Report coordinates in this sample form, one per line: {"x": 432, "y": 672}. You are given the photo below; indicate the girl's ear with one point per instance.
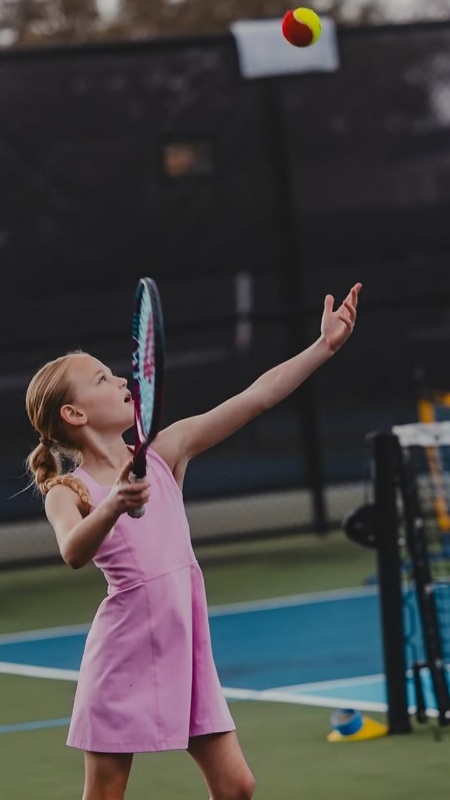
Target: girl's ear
{"x": 72, "y": 415}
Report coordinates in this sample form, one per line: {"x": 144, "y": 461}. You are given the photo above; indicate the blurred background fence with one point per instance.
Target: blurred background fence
{"x": 247, "y": 201}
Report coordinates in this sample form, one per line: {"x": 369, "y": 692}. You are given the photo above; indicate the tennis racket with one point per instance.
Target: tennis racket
{"x": 148, "y": 375}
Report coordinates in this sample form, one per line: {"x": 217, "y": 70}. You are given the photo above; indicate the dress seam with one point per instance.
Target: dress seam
{"x": 155, "y": 577}
{"x": 158, "y": 716}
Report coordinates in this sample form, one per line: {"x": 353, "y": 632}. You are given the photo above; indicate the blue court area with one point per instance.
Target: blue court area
{"x": 318, "y": 649}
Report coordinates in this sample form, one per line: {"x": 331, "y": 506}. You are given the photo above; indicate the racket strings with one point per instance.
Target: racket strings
{"x": 144, "y": 365}
{"x": 149, "y": 354}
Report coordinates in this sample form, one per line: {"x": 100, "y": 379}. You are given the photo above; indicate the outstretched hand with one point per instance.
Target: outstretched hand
{"x": 337, "y": 325}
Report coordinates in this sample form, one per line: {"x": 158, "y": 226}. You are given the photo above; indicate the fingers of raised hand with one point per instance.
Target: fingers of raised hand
{"x": 352, "y": 296}
{"x": 347, "y": 314}
{"x": 347, "y": 322}
{"x": 354, "y": 292}
{"x": 329, "y": 302}
{"x": 351, "y": 309}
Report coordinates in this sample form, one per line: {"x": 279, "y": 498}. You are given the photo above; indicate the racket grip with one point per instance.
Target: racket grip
{"x": 139, "y": 512}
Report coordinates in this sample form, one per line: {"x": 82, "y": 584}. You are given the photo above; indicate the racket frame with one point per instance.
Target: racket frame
{"x": 142, "y": 440}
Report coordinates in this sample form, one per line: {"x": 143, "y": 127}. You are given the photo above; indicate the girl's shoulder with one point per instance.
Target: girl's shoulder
{"x": 74, "y": 487}
{"x": 66, "y": 494}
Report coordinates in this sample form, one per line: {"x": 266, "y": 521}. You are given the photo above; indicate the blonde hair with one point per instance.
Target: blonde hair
{"x": 48, "y": 391}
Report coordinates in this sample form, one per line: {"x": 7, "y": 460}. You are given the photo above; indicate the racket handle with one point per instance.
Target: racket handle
{"x": 139, "y": 512}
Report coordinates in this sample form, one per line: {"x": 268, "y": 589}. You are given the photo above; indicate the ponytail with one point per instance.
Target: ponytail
{"x": 48, "y": 390}
{"x": 45, "y": 465}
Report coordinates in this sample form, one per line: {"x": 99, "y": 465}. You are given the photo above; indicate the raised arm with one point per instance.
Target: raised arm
{"x": 189, "y": 437}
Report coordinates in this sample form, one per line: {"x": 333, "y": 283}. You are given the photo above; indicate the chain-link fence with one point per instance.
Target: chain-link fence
{"x": 247, "y": 202}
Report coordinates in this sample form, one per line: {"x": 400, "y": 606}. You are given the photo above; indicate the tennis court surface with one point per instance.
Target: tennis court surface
{"x": 317, "y": 649}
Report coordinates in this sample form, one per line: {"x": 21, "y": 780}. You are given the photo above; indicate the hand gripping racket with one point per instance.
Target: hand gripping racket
{"x": 148, "y": 375}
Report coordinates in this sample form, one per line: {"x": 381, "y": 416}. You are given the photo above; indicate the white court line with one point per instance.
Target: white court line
{"x": 266, "y": 695}
{"x": 311, "y": 598}
{"x": 30, "y": 671}
{"x": 275, "y": 696}
{"x": 338, "y": 683}
{"x": 245, "y": 607}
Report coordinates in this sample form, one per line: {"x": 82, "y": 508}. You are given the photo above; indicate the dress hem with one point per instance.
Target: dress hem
{"x": 175, "y": 744}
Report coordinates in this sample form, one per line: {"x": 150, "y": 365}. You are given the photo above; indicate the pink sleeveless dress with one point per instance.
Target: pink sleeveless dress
{"x": 148, "y": 680}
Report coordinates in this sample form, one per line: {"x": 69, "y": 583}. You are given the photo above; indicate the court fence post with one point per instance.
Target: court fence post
{"x": 295, "y": 298}
{"x": 385, "y": 466}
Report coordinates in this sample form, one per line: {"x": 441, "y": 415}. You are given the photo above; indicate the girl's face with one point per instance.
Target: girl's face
{"x": 100, "y": 399}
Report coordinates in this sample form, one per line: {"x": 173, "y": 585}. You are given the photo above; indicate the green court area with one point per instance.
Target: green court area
{"x": 285, "y": 744}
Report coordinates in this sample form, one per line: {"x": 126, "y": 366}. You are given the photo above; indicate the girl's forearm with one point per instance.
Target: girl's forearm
{"x": 85, "y": 538}
{"x": 280, "y": 381}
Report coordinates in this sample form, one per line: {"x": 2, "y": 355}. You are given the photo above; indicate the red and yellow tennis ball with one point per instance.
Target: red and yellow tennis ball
{"x": 301, "y": 27}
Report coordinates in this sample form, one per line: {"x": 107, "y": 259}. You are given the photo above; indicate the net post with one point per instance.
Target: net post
{"x": 425, "y": 587}
{"x": 385, "y": 466}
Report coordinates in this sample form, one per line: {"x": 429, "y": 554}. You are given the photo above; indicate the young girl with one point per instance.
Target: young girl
{"x": 147, "y": 680}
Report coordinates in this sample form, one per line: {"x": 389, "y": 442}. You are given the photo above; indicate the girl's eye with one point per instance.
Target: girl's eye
{"x": 102, "y": 378}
